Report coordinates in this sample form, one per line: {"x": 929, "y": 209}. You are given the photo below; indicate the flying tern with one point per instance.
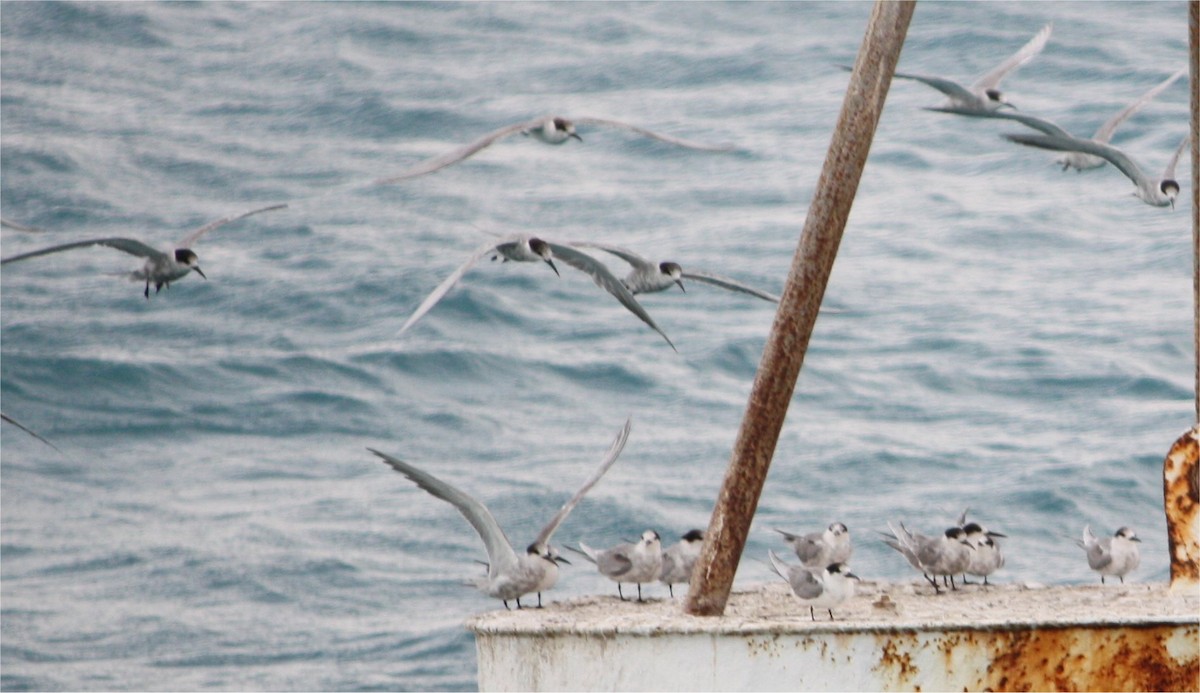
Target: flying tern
{"x": 161, "y": 268}
{"x": 1157, "y": 192}
{"x": 679, "y": 559}
{"x": 632, "y": 562}
{"x": 510, "y": 575}
{"x": 984, "y": 93}
{"x": 825, "y": 588}
{"x": 647, "y": 276}
{"x": 819, "y": 549}
{"x": 549, "y": 129}
{"x": 1077, "y": 160}
{"x": 1116, "y": 555}
{"x": 523, "y": 248}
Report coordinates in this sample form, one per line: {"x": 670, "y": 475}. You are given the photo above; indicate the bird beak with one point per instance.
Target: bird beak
{"x": 852, "y": 575}
{"x": 560, "y": 559}
{"x": 1138, "y": 540}
{"x": 200, "y": 272}
{"x": 576, "y": 136}
{"x": 681, "y": 286}
{"x": 997, "y": 534}
{"x": 551, "y": 263}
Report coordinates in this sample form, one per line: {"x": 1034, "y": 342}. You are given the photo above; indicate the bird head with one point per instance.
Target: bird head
{"x": 672, "y": 270}
{"x": 1127, "y": 533}
{"x": 188, "y": 258}
{"x": 542, "y": 249}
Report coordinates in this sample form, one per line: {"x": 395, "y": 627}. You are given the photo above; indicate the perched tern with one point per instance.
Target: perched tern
{"x": 947, "y": 554}
{"x": 819, "y": 549}
{"x": 1115, "y": 555}
{"x": 647, "y": 276}
{"x": 161, "y": 268}
{"x": 548, "y": 129}
{"x": 1079, "y": 161}
{"x": 679, "y": 559}
{"x": 1160, "y": 192}
{"x": 824, "y": 588}
{"x": 986, "y": 558}
{"x": 510, "y": 575}
{"x": 524, "y": 248}
{"x": 637, "y": 562}
{"x": 984, "y": 94}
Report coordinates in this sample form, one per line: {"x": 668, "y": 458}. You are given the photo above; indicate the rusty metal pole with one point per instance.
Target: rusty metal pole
{"x": 1194, "y": 68}
{"x": 787, "y": 343}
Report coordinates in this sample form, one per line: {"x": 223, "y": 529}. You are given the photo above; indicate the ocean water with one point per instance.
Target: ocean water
{"x": 1010, "y": 338}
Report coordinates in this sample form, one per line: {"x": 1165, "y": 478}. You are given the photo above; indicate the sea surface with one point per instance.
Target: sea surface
{"x": 1008, "y": 337}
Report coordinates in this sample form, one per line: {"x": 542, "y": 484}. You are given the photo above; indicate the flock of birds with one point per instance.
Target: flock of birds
{"x": 822, "y": 579}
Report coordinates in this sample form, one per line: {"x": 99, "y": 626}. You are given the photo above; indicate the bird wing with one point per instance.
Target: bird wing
{"x": 191, "y": 238}
{"x": 614, "y": 451}
{"x": 727, "y": 283}
{"x": 1100, "y": 554}
{"x": 635, "y": 260}
{"x": 1105, "y": 132}
{"x": 1169, "y": 172}
{"x": 1039, "y": 124}
{"x": 14, "y": 422}
{"x": 991, "y": 79}
{"x": 606, "y": 280}
{"x": 689, "y": 144}
{"x": 456, "y": 155}
{"x": 437, "y": 294}
{"x": 501, "y": 555}
{"x": 615, "y": 562}
{"x": 19, "y": 227}
{"x": 128, "y": 245}
{"x": 951, "y": 89}
{"x": 1114, "y": 156}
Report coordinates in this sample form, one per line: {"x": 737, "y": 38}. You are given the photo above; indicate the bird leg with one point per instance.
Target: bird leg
{"x": 619, "y": 593}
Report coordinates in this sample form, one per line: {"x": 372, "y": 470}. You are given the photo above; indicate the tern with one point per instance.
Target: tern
{"x": 510, "y": 575}
{"x": 679, "y": 559}
{"x": 647, "y": 276}
{"x": 825, "y": 588}
{"x": 1079, "y": 161}
{"x": 984, "y": 94}
{"x": 549, "y": 129}
{"x": 161, "y": 268}
{"x": 634, "y": 562}
{"x": 819, "y": 549}
{"x": 1160, "y": 192}
{"x": 523, "y": 248}
{"x": 1115, "y": 555}
{"x": 947, "y": 554}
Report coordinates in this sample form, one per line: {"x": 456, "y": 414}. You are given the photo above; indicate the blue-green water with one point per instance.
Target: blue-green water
{"x": 1011, "y": 338}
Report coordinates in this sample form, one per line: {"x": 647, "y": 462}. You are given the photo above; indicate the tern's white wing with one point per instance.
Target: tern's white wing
{"x": 1114, "y": 156}
{"x": 1105, "y": 132}
{"x": 1169, "y": 172}
{"x": 953, "y": 90}
{"x": 437, "y": 294}
{"x": 606, "y": 280}
{"x": 19, "y": 227}
{"x": 614, "y": 451}
{"x": 188, "y": 240}
{"x": 457, "y": 155}
{"x": 501, "y": 556}
{"x": 127, "y": 245}
{"x": 653, "y": 135}
{"x": 727, "y": 283}
{"x": 635, "y": 260}
{"x": 1035, "y": 45}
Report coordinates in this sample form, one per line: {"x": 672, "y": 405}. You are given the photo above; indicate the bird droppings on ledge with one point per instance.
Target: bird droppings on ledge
{"x": 876, "y": 606}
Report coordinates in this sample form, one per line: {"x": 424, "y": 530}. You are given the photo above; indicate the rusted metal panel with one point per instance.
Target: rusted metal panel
{"x": 1181, "y": 500}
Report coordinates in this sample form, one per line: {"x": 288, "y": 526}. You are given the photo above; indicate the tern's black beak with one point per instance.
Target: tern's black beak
{"x": 1138, "y": 540}
{"x": 560, "y": 559}
{"x": 551, "y": 263}
{"x": 200, "y": 272}
{"x": 997, "y": 534}
{"x": 852, "y": 576}
{"x": 576, "y": 136}
{"x": 680, "y": 283}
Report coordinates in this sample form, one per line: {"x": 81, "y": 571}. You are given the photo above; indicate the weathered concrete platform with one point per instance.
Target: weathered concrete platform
{"x": 889, "y": 637}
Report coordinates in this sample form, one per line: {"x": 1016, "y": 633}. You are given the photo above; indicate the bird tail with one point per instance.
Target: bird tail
{"x": 585, "y": 551}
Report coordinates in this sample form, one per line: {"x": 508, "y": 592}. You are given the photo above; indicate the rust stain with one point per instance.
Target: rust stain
{"x": 1109, "y": 659}
{"x": 1181, "y": 501}
{"x": 895, "y": 661}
